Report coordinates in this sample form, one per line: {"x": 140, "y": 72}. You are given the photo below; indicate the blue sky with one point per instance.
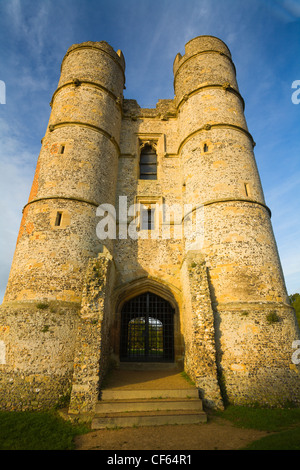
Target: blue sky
{"x": 264, "y": 39}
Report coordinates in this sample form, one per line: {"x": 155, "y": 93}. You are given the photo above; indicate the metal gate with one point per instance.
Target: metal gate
{"x": 147, "y": 329}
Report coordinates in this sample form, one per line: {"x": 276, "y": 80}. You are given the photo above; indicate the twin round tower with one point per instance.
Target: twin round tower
{"x": 103, "y": 272}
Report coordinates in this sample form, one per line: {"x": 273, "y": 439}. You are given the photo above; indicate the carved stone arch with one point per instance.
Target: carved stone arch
{"x": 144, "y": 284}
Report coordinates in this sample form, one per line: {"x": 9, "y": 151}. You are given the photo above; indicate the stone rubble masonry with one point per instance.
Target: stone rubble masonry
{"x": 60, "y": 318}
{"x": 39, "y": 341}
{"x": 92, "y": 335}
{"x": 199, "y": 329}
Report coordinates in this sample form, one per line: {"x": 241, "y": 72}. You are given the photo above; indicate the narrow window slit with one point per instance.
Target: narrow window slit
{"x": 147, "y": 219}
{"x": 247, "y": 189}
{"x": 150, "y": 219}
{"x": 58, "y": 219}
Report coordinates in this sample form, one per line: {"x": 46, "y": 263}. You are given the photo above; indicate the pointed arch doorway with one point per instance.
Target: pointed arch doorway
{"x": 147, "y": 329}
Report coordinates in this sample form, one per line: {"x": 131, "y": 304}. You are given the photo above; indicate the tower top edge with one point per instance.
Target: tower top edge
{"x": 201, "y": 44}
{"x": 101, "y": 46}
{"x": 204, "y": 38}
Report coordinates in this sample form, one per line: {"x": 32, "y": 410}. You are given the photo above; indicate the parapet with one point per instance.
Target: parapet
{"x": 94, "y": 62}
{"x": 103, "y": 46}
{"x": 165, "y": 108}
{"x": 198, "y": 45}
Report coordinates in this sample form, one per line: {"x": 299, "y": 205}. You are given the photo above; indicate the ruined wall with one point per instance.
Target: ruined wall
{"x": 36, "y": 364}
{"x": 255, "y": 347}
{"x": 198, "y": 325}
{"x": 93, "y": 342}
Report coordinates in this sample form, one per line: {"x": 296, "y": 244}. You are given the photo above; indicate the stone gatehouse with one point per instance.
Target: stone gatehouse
{"x": 146, "y": 237}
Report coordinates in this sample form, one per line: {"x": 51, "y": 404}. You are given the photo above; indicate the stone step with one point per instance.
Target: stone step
{"x": 137, "y": 394}
{"x": 149, "y": 418}
{"x": 152, "y": 366}
{"x": 120, "y": 406}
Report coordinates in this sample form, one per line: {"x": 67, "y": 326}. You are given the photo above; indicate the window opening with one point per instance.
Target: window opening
{"x": 205, "y": 148}
{"x": 58, "y": 219}
{"x": 62, "y": 149}
{"x": 148, "y": 163}
{"x": 247, "y": 189}
{"x": 147, "y": 218}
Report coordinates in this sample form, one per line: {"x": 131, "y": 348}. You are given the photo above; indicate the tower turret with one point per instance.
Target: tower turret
{"x": 237, "y": 245}
{"x": 76, "y": 171}
{"x": 220, "y": 174}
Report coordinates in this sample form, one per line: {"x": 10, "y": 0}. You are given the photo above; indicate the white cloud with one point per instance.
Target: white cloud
{"x": 14, "y": 10}
{"x": 286, "y": 11}
{"x": 31, "y": 27}
{"x": 292, "y": 6}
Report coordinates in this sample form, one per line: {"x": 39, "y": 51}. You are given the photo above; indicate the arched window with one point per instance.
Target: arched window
{"x": 148, "y": 163}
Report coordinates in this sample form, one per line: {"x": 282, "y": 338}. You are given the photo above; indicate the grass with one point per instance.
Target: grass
{"x": 283, "y": 424}
{"x": 187, "y": 378}
{"x": 48, "y": 431}
{"x": 286, "y": 440}
{"x": 37, "y": 431}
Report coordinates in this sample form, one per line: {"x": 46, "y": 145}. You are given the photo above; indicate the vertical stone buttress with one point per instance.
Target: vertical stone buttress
{"x": 76, "y": 171}
{"x": 254, "y": 323}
